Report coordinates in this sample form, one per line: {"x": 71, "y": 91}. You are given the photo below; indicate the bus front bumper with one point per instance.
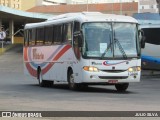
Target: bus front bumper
{"x": 110, "y": 78}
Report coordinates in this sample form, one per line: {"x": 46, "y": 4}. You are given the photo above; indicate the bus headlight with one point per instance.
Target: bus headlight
{"x": 133, "y": 69}
{"x": 138, "y": 68}
{"x": 90, "y": 68}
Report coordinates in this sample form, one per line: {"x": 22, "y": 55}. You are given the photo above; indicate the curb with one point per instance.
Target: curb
{"x": 6, "y": 48}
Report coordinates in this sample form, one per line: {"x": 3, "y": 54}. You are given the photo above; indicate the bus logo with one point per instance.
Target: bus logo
{"x": 37, "y": 56}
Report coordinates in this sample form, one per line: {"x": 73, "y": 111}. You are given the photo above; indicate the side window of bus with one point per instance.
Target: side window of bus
{"x": 58, "y": 31}
{"x": 40, "y": 36}
{"x": 33, "y": 36}
{"x": 29, "y": 37}
{"x": 69, "y": 33}
{"x": 76, "y": 26}
{"x": 152, "y": 35}
{"x": 75, "y": 39}
{"x": 26, "y": 38}
{"x": 48, "y": 35}
{"x": 65, "y": 29}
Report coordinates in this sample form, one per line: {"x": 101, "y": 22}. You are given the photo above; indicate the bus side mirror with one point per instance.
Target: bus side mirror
{"x": 78, "y": 35}
{"x": 142, "y": 38}
{"x": 80, "y": 39}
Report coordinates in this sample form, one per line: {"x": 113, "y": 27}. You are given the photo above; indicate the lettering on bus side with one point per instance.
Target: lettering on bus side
{"x": 36, "y": 55}
{"x": 94, "y": 63}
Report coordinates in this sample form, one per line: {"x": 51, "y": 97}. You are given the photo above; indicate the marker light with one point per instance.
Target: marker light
{"x": 90, "y": 68}
{"x": 138, "y": 68}
{"x": 133, "y": 69}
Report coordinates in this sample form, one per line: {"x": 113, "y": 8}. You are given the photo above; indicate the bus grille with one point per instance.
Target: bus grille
{"x": 113, "y": 77}
{"x": 113, "y": 71}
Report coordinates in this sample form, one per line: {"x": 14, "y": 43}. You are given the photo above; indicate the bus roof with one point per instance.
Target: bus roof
{"x": 84, "y": 17}
{"x": 149, "y": 26}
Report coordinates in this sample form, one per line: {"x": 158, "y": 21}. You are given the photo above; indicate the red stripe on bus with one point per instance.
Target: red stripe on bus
{"x": 25, "y": 53}
{"x": 32, "y": 71}
{"x": 67, "y": 47}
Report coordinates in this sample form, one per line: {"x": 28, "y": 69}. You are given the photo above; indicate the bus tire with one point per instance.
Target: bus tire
{"x": 122, "y": 87}
{"x": 48, "y": 83}
{"x": 40, "y": 78}
{"x": 72, "y": 85}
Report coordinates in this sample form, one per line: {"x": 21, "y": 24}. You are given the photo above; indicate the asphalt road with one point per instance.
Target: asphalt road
{"x": 21, "y": 93}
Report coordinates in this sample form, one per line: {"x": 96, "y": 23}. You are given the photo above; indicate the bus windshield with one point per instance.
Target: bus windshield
{"x": 110, "y": 40}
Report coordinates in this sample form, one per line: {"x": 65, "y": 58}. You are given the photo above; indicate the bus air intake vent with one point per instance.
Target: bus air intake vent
{"x": 113, "y": 71}
{"x": 113, "y": 77}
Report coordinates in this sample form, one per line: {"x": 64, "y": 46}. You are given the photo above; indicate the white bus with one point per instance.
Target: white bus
{"x": 81, "y": 49}
{"x": 150, "y": 54}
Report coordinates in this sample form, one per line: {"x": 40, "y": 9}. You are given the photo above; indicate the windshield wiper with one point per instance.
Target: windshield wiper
{"x": 120, "y": 48}
{"x": 115, "y": 41}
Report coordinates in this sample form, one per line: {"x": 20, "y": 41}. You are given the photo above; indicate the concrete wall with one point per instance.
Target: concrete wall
{"x": 18, "y": 40}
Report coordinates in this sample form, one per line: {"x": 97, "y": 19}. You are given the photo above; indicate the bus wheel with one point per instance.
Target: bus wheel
{"x": 40, "y": 79}
{"x": 122, "y": 87}
{"x": 72, "y": 85}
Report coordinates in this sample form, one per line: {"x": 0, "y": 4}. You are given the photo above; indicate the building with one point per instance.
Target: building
{"x": 13, "y": 22}
{"x": 54, "y": 2}
{"x": 148, "y": 6}
{"x": 18, "y": 4}
{"x": 158, "y": 4}
{"x": 143, "y": 5}
{"x": 25, "y": 5}
{"x": 99, "y": 1}
{"x": 47, "y": 2}
{"x": 111, "y": 8}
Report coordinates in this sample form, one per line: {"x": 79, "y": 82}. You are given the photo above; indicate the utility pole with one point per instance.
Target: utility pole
{"x": 112, "y": 6}
{"x": 121, "y": 7}
{"x": 87, "y": 5}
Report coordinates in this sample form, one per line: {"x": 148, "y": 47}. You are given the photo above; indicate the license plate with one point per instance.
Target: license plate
{"x": 112, "y": 81}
